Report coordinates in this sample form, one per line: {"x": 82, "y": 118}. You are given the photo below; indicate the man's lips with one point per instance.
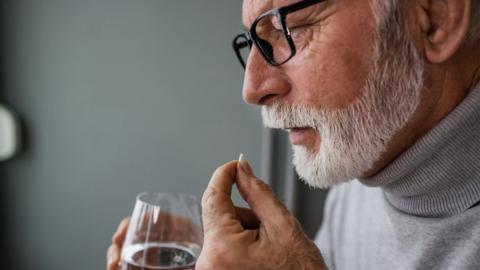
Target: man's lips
{"x": 302, "y": 135}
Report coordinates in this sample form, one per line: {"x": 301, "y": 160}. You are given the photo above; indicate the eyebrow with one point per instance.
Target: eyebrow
{"x": 299, "y": 4}
{"x": 246, "y": 29}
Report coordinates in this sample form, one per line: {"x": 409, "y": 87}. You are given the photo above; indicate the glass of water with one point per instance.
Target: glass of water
{"x": 165, "y": 232}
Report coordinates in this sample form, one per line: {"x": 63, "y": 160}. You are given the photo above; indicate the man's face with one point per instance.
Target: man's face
{"x": 333, "y": 42}
{"x": 344, "y": 95}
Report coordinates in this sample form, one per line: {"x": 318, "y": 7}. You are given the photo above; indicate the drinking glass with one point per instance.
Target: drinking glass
{"x": 165, "y": 232}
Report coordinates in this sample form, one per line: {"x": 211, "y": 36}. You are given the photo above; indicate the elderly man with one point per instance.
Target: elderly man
{"x": 381, "y": 91}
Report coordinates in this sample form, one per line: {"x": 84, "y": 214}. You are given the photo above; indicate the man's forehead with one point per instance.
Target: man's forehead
{"x": 253, "y": 8}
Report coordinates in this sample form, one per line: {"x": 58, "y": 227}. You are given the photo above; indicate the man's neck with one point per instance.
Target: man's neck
{"x": 449, "y": 83}
{"x": 439, "y": 175}
{"x": 446, "y": 85}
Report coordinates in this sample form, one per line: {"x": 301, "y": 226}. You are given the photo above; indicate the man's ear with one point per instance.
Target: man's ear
{"x": 445, "y": 24}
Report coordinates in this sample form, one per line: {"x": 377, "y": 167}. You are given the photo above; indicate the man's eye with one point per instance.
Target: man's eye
{"x": 298, "y": 30}
{"x": 300, "y": 34}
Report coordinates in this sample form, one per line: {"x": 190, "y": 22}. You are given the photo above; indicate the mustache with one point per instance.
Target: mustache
{"x": 287, "y": 116}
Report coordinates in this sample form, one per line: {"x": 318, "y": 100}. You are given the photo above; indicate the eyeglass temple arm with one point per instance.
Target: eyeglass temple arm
{"x": 242, "y": 44}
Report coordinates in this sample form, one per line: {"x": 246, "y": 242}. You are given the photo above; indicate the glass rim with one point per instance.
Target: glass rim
{"x": 141, "y": 197}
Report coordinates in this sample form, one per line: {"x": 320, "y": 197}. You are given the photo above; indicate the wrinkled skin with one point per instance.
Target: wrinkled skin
{"x": 261, "y": 233}
{"x": 265, "y": 237}
{"x": 334, "y": 42}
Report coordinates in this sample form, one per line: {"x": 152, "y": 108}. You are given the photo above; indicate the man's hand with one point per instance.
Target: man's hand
{"x": 264, "y": 237}
{"x": 113, "y": 253}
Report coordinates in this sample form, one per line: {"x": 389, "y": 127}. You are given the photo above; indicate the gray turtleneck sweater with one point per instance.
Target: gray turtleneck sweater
{"x": 421, "y": 212}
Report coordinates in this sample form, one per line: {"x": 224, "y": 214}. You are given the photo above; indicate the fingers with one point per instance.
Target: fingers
{"x": 217, "y": 205}
{"x": 223, "y": 178}
{"x": 113, "y": 257}
{"x": 113, "y": 252}
{"x": 263, "y": 201}
{"x": 248, "y": 218}
{"x": 119, "y": 235}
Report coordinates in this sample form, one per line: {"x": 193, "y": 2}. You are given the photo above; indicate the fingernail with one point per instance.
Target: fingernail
{"x": 244, "y": 165}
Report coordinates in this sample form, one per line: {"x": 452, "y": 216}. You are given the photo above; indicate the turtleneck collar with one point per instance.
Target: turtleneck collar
{"x": 439, "y": 176}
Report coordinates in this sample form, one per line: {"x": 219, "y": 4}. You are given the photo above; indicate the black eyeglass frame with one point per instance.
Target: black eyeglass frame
{"x": 251, "y": 37}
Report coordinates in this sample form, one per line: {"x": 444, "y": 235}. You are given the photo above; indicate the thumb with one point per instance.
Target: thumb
{"x": 217, "y": 206}
{"x": 261, "y": 198}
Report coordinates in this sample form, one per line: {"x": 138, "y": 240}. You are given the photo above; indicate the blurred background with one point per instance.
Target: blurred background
{"x": 117, "y": 97}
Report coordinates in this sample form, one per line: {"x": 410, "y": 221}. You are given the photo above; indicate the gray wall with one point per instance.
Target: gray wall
{"x": 117, "y": 97}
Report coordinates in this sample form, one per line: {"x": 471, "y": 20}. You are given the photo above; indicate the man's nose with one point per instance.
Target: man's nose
{"x": 263, "y": 84}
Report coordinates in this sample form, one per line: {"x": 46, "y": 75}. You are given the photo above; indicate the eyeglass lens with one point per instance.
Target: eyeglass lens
{"x": 242, "y": 48}
{"x": 272, "y": 40}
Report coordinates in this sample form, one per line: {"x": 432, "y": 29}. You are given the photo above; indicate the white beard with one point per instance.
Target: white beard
{"x": 354, "y": 138}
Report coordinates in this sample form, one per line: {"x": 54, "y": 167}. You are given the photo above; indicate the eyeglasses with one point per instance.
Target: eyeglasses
{"x": 271, "y": 35}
